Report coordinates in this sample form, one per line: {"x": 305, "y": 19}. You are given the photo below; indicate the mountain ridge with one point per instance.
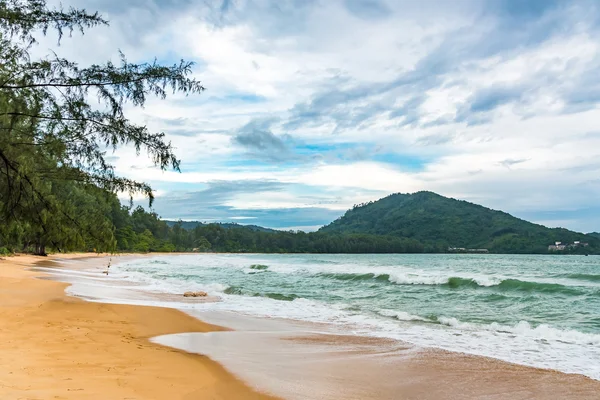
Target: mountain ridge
{"x": 440, "y": 223}
{"x": 189, "y": 225}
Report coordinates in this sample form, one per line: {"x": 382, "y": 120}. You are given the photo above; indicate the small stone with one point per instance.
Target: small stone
{"x": 195, "y": 294}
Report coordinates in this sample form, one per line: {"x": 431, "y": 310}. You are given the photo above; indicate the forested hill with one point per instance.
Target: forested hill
{"x": 439, "y": 222}
{"x": 190, "y": 225}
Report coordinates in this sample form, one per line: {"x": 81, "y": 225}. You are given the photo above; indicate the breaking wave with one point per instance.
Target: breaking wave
{"x": 582, "y": 277}
{"x": 541, "y": 332}
{"x": 455, "y": 282}
{"x": 401, "y": 315}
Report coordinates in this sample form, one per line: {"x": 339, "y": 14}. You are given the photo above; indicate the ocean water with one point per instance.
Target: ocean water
{"x": 541, "y": 311}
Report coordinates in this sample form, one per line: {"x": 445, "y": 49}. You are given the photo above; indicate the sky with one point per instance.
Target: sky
{"x": 313, "y": 106}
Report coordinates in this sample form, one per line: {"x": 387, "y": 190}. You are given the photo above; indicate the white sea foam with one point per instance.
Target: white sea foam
{"x": 397, "y": 274}
{"x": 536, "y": 345}
{"x": 441, "y": 279}
{"x": 523, "y": 328}
{"x": 400, "y": 315}
{"x": 69, "y": 272}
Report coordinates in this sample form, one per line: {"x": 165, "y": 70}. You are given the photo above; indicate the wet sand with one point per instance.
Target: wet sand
{"x": 297, "y": 362}
{"x": 57, "y": 347}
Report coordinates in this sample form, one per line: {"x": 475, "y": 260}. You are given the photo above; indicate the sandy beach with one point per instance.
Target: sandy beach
{"x": 57, "y": 347}
{"x": 54, "y": 346}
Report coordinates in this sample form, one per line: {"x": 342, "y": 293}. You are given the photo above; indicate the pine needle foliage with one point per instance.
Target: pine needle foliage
{"x": 57, "y": 121}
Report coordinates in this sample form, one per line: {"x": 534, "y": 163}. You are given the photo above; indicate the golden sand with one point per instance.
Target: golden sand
{"x": 57, "y": 347}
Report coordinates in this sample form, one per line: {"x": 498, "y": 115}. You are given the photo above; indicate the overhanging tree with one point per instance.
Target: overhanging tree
{"x": 51, "y": 135}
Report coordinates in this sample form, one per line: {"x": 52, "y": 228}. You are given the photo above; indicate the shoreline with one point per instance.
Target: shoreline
{"x": 309, "y": 365}
{"x": 57, "y": 346}
{"x": 312, "y": 365}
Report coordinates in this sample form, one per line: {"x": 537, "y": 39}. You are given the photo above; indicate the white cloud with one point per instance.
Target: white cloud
{"x": 489, "y": 96}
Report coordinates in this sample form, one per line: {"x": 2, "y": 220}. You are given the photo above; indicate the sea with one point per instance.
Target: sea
{"x": 534, "y": 310}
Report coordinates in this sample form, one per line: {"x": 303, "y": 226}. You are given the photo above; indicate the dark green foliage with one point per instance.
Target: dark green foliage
{"x": 57, "y": 120}
{"x": 226, "y": 225}
{"x": 246, "y": 239}
{"x": 141, "y": 231}
{"x": 439, "y": 222}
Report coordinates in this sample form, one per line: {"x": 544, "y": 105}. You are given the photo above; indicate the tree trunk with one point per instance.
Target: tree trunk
{"x": 40, "y": 249}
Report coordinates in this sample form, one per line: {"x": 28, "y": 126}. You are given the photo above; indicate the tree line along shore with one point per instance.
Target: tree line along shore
{"x": 59, "y": 190}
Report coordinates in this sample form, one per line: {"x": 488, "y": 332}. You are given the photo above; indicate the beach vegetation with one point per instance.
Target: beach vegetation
{"x": 58, "y": 121}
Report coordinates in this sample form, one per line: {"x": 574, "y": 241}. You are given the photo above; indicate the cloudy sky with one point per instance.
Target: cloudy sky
{"x": 312, "y": 106}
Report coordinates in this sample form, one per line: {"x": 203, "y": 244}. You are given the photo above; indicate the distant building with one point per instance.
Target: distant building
{"x": 464, "y": 250}
{"x": 457, "y": 249}
{"x": 558, "y": 246}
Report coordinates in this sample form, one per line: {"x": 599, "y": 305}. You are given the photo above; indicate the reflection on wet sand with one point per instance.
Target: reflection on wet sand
{"x": 305, "y": 361}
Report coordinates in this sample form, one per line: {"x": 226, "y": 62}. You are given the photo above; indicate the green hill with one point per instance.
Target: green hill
{"x": 189, "y": 225}
{"x": 439, "y": 222}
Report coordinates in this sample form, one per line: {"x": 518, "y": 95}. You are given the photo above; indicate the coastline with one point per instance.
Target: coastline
{"x": 53, "y": 344}
{"x": 56, "y": 346}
